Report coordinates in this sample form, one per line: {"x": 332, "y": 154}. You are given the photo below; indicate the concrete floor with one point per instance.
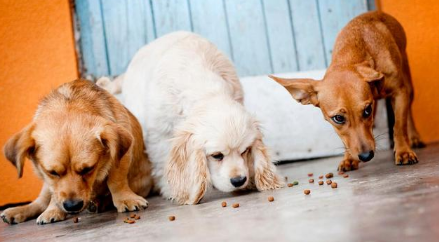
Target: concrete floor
{"x": 379, "y": 202}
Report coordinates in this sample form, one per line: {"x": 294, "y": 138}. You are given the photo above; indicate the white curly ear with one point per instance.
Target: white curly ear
{"x": 186, "y": 172}
{"x": 264, "y": 171}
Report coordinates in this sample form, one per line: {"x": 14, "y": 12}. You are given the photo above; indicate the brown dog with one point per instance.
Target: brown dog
{"x": 369, "y": 61}
{"x": 84, "y": 145}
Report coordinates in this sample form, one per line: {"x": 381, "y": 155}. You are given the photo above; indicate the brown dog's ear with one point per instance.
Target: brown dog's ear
{"x": 186, "y": 170}
{"x": 20, "y": 146}
{"x": 373, "y": 77}
{"x": 263, "y": 171}
{"x": 303, "y": 90}
{"x": 117, "y": 140}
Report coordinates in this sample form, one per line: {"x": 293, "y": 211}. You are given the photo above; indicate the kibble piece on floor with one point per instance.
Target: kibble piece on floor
{"x": 223, "y": 204}
{"x": 310, "y": 174}
{"x": 290, "y": 184}
{"x": 320, "y": 182}
{"x": 311, "y": 180}
{"x": 137, "y": 217}
{"x": 320, "y": 177}
{"x": 270, "y": 199}
{"x": 329, "y": 175}
{"x": 171, "y": 218}
{"x": 235, "y": 205}
{"x": 129, "y": 221}
{"x": 328, "y": 182}
{"x": 340, "y": 172}
{"x": 334, "y": 185}
{"x": 295, "y": 183}
{"x": 75, "y": 220}
{"x": 307, "y": 192}
{"x": 345, "y": 175}
{"x": 133, "y": 215}
{"x": 286, "y": 178}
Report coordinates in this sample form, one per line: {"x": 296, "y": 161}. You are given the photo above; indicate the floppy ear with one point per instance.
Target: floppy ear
{"x": 264, "y": 171}
{"x": 186, "y": 170}
{"x": 373, "y": 77}
{"x": 117, "y": 140}
{"x": 303, "y": 90}
{"x": 20, "y": 146}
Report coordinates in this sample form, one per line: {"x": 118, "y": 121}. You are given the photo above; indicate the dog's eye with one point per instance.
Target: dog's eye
{"x": 338, "y": 119}
{"x": 85, "y": 171}
{"x": 367, "y": 111}
{"x": 53, "y": 173}
{"x": 218, "y": 156}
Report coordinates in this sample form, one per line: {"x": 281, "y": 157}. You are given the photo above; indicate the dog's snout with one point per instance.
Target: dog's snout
{"x": 366, "y": 156}
{"x": 238, "y": 181}
{"x": 74, "y": 205}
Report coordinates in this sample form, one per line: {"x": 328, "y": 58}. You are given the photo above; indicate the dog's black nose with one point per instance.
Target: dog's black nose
{"x": 238, "y": 181}
{"x": 73, "y": 205}
{"x": 366, "y": 156}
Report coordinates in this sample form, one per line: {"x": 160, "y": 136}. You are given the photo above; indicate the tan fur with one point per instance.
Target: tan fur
{"x": 85, "y": 146}
{"x": 369, "y": 62}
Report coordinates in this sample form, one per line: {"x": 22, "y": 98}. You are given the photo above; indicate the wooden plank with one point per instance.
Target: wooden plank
{"x": 248, "y": 37}
{"x": 170, "y": 16}
{"x": 307, "y": 33}
{"x": 92, "y": 37}
{"x": 209, "y": 20}
{"x": 280, "y": 36}
{"x": 126, "y": 31}
{"x": 335, "y": 14}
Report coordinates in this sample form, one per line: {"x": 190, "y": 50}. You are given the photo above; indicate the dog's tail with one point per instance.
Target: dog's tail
{"x": 113, "y": 87}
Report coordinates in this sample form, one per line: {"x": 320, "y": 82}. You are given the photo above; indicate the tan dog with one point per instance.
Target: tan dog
{"x": 84, "y": 145}
{"x": 369, "y": 61}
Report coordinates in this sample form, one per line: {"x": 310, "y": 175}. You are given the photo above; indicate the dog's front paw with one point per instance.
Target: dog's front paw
{"x": 348, "y": 165}
{"x": 51, "y": 216}
{"x": 14, "y": 215}
{"x": 405, "y": 157}
{"x": 129, "y": 203}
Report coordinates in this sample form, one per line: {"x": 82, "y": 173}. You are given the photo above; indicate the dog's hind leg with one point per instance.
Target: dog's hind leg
{"x": 29, "y": 211}
{"x": 414, "y": 137}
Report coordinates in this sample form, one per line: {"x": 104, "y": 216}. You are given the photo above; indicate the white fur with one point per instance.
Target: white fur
{"x": 182, "y": 82}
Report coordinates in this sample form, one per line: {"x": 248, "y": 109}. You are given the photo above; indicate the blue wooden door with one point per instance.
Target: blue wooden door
{"x": 260, "y": 36}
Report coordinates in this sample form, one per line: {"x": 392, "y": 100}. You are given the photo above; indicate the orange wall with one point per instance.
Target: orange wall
{"x": 36, "y": 54}
{"x": 420, "y": 19}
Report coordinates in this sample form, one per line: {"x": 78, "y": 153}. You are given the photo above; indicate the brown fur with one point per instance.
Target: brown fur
{"x": 84, "y": 145}
{"x": 369, "y": 62}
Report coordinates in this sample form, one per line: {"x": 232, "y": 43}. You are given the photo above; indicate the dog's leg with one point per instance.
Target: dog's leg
{"x": 414, "y": 137}
{"x": 124, "y": 199}
{"x": 29, "y": 211}
{"x": 404, "y": 155}
{"x": 348, "y": 164}
{"x": 52, "y": 214}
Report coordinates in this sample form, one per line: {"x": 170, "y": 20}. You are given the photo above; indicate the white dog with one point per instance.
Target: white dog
{"x": 189, "y": 100}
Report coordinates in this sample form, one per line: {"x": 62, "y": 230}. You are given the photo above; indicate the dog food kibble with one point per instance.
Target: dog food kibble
{"x": 310, "y": 174}
{"x": 345, "y": 175}
{"x": 290, "y": 184}
{"x": 137, "y": 217}
{"x": 329, "y": 175}
{"x": 286, "y": 178}
{"x": 235, "y": 205}
{"x": 311, "y": 180}
{"x": 75, "y": 220}
{"x": 223, "y": 204}
{"x": 307, "y": 192}
{"x": 171, "y": 218}
{"x": 295, "y": 183}
{"x": 320, "y": 183}
{"x": 334, "y": 185}
{"x": 328, "y": 182}
{"x": 340, "y": 172}
{"x": 270, "y": 199}
{"x": 320, "y": 177}
{"x": 133, "y": 215}
{"x": 129, "y": 221}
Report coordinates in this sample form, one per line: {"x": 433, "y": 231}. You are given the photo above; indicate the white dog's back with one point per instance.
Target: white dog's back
{"x": 166, "y": 79}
